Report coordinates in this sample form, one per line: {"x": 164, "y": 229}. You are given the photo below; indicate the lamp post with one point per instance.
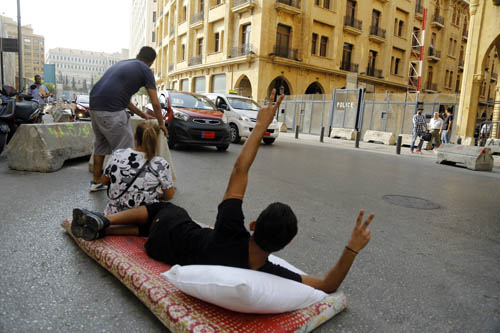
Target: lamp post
{"x": 19, "y": 41}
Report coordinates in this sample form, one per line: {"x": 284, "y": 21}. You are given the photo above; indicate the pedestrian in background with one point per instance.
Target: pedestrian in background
{"x": 446, "y": 128}
{"x": 39, "y": 91}
{"x": 419, "y": 127}
{"x": 484, "y": 133}
{"x": 435, "y": 126}
{"x": 110, "y": 98}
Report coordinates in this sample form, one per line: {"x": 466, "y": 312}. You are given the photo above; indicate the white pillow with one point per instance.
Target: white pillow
{"x": 243, "y": 290}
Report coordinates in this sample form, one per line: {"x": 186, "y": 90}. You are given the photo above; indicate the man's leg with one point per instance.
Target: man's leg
{"x": 419, "y": 148}
{"x": 98, "y": 164}
{"x": 101, "y": 149}
{"x": 412, "y": 145}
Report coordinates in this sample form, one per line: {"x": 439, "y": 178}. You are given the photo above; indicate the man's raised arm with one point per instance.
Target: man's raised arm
{"x": 239, "y": 176}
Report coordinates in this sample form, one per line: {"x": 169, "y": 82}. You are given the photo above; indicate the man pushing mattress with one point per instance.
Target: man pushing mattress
{"x": 174, "y": 238}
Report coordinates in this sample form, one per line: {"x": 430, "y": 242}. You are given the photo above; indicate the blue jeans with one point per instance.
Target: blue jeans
{"x": 414, "y": 138}
{"x": 445, "y": 138}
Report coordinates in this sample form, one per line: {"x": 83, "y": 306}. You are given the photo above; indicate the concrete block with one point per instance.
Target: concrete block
{"x": 45, "y": 147}
{"x": 494, "y": 145}
{"x": 474, "y": 158}
{"x": 386, "y": 138}
{"x": 343, "y": 133}
{"x": 469, "y": 141}
{"x": 62, "y": 116}
{"x": 282, "y": 127}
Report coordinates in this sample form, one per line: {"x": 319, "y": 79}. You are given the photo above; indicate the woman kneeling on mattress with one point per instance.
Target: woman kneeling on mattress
{"x": 134, "y": 175}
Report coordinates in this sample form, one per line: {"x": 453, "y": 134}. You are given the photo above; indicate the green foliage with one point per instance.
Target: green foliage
{"x": 51, "y": 87}
{"x": 142, "y": 91}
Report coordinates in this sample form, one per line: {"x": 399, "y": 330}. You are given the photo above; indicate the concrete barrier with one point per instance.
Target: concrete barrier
{"x": 386, "y": 138}
{"x": 468, "y": 141}
{"x": 343, "y": 133}
{"x": 494, "y": 145}
{"x": 407, "y": 142}
{"x": 162, "y": 148}
{"x": 45, "y": 147}
{"x": 474, "y": 158}
{"x": 282, "y": 127}
{"x": 62, "y": 116}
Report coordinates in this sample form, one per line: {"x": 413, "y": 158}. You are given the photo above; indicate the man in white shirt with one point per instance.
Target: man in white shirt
{"x": 435, "y": 126}
{"x": 39, "y": 91}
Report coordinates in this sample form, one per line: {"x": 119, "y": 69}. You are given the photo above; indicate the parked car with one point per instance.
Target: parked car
{"x": 80, "y": 107}
{"x": 241, "y": 113}
{"x": 192, "y": 119}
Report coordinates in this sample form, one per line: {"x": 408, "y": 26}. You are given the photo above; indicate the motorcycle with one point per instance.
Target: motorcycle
{"x": 15, "y": 113}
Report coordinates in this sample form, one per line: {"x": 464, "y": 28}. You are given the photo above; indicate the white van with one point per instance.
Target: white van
{"x": 241, "y": 113}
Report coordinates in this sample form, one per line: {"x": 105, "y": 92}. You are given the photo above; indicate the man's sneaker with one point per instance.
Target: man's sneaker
{"x": 419, "y": 151}
{"x": 88, "y": 225}
{"x": 411, "y": 151}
{"x": 94, "y": 187}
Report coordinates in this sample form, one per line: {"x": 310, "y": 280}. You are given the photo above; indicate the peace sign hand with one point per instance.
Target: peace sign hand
{"x": 360, "y": 234}
{"x": 266, "y": 115}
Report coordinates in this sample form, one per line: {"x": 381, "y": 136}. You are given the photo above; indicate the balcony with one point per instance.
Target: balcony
{"x": 377, "y": 34}
{"x": 419, "y": 11}
{"x": 374, "y": 72}
{"x": 437, "y": 21}
{"x": 494, "y": 77}
{"x": 431, "y": 87}
{"x": 288, "y": 6}
{"x": 434, "y": 55}
{"x": 461, "y": 64}
{"x": 195, "y": 60}
{"x": 197, "y": 19}
{"x": 242, "y": 50}
{"x": 352, "y": 25}
{"x": 287, "y": 53}
{"x": 350, "y": 67}
{"x": 170, "y": 68}
{"x": 465, "y": 35}
{"x": 241, "y": 6}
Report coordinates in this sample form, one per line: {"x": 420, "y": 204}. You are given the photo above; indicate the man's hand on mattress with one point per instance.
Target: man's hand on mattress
{"x": 360, "y": 235}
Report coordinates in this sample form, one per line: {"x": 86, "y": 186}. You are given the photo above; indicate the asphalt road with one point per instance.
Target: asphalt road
{"x": 424, "y": 270}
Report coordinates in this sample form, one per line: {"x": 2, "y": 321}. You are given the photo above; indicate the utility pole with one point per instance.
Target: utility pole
{"x": 19, "y": 43}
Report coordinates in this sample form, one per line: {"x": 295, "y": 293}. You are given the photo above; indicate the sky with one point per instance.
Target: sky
{"x": 92, "y": 25}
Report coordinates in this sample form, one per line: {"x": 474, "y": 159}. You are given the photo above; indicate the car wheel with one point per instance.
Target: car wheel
{"x": 222, "y": 147}
{"x": 269, "y": 141}
{"x": 235, "y": 138}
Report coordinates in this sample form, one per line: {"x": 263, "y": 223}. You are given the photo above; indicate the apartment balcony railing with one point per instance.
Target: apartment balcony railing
{"x": 434, "y": 54}
{"x": 437, "y": 20}
{"x": 284, "y": 52}
{"x": 431, "y": 86}
{"x": 375, "y": 30}
{"x": 419, "y": 9}
{"x": 352, "y": 22}
{"x": 374, "y": 72}
{"x": 242, "y": 50}
{"x": 350, "y": 67}
{"x": 494, "y": 76}
{"x": 237, "y": 3}
{"x": 170, "y": 68}
{"x": 196, "y": 18}
{"x": 293, "y": 3}
{"x": 195, "y": 60}
{"x": 461, "y": 64}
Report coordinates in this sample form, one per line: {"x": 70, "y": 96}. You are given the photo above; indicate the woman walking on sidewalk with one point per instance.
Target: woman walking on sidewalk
{"x": 419, "y": 127}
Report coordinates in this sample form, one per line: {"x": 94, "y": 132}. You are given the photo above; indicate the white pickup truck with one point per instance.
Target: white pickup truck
{"x": 241, "y": 113}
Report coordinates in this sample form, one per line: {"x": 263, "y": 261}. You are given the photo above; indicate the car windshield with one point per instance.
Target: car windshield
{"x": 83, "y": 99}
{"x": 243, "y": 104}
{"x": 191, "y": 101}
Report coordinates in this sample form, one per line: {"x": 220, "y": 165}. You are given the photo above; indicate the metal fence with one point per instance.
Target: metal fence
{"x": 377, "y": 111}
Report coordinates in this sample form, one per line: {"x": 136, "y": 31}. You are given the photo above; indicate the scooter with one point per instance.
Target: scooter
{"x": 15, "y": 113}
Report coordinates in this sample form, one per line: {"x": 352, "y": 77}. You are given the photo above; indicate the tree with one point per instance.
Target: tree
{"x": 51, "y": 87}
{"x": 73, "y": 84}
{"x": 84, "y": 85}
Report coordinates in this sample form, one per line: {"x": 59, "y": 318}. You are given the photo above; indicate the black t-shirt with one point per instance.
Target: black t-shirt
{"x": 119, "y": 83}
{"x": 175, "y": 238}
{"x": 447, "y": 121}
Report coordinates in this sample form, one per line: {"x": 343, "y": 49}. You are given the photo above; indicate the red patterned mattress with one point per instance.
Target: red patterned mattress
{"x": 126, "y": 259}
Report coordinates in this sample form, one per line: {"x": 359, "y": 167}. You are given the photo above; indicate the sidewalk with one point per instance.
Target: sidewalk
{"x": 309, "y": 139}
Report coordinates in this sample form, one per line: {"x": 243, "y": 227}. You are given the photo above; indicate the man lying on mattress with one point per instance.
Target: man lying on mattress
{"x": 174, "y": 238}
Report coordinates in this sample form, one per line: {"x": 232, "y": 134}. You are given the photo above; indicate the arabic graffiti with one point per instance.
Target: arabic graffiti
{"x": 66, "y": 130}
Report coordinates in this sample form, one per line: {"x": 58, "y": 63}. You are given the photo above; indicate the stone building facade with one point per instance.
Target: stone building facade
{"x": 142, "y": 19}
{"x": 302, "y": 47}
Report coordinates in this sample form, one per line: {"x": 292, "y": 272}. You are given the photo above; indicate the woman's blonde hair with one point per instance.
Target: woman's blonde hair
{"x": 147, "y": 137}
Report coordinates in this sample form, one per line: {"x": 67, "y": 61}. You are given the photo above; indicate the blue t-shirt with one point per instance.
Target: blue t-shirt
{"x": 119, "y": 83}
